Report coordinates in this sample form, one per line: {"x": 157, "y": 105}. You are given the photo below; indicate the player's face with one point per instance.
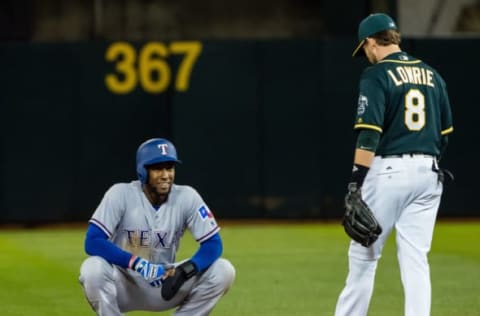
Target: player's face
{"x": 160, "y": 177}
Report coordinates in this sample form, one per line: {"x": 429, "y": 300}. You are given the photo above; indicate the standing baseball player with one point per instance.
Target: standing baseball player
{"x": 133, "y": 237}
{"x": 403, "y": 119}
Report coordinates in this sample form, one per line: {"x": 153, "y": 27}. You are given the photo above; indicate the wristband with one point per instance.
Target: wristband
{"x": 359, "y": 173}
{"x": 189, "y": 268}
{"x": 132, "y": 262}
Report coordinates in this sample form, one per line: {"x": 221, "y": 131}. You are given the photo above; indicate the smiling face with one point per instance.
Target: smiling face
{"x": 160, "y": 181}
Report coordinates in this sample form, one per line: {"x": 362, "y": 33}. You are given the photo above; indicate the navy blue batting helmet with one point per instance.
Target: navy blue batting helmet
{"x": 154, "y": 151}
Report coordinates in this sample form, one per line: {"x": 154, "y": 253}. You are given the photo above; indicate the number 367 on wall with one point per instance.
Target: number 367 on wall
{"x": 148, "y": 67}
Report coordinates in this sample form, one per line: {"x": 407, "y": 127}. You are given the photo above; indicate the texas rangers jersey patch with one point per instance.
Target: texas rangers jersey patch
{"x": 205, "y": 212}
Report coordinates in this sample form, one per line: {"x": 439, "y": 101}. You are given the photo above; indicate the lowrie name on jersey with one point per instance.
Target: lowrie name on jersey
{"x": 409, "y": 74}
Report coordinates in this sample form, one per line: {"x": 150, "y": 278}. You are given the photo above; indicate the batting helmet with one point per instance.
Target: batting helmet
{"x": 154, "y": 151}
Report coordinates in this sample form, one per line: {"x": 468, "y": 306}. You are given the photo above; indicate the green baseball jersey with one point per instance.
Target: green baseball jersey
{"x": 406, "y": 101}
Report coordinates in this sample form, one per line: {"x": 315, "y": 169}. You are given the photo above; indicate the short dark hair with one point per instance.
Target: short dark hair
{"x": 387, "y": 37}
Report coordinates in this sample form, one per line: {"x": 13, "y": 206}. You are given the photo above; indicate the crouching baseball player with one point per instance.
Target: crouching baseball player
{"x": 133, "y": 237}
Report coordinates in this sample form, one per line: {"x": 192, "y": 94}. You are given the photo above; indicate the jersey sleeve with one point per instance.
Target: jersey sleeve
{"x": 446, "y": 111}
{"x": 110, "y": 210}
{"x": 201, "y": 221}
{"x": 371, "y": 103}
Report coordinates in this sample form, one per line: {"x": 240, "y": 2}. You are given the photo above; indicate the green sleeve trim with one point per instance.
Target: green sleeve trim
{"x": 368, "y": 140}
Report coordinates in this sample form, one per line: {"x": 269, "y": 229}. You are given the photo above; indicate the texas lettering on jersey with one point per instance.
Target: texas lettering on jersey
{"x": 149, "y": 239}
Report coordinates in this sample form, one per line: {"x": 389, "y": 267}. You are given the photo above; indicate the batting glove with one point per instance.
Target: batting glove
{"x": 151, "y": 272}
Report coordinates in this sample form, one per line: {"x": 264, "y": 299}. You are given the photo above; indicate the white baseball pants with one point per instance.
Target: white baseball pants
{"x": 111, "y": 290}
{"x": 404, "y": 193}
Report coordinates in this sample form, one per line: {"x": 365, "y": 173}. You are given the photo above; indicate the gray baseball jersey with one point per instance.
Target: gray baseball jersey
{"x": 133, "y": 224}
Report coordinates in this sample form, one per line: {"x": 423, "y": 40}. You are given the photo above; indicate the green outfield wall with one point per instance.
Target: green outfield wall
{"x": 264, "y": 128}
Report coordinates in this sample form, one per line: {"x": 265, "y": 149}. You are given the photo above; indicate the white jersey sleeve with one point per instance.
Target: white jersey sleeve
{"x": 201, "y": 221}
{"x": 111, "y": 209}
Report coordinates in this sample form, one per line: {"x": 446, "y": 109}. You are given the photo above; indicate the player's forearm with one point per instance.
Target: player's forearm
{"x": 367, "y": 143}
{"x": 209, "y": 251}
{"x": 363, "y": 157}
{"x": 97, "y": 244}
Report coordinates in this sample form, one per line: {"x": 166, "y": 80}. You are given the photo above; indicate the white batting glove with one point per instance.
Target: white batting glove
{"x": 150, "y": 271}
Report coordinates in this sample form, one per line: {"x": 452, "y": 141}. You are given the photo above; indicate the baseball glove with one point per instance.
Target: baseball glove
{"x": 358, "y": 221}
{"x": 175, "y": 278}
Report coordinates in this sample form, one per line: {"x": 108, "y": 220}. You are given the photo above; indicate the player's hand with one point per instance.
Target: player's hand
{"x": 443, "y": 174}
{"x": 151, "y": 272}
{"x": 176, "y": 278}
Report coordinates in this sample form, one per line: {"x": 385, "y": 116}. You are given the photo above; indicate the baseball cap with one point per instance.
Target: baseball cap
{"x": 372, "y": 24}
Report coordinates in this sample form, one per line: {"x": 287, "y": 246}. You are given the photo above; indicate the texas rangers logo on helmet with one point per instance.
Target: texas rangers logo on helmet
{"x": 152, "y": 151}
{"x": 163, "y": 148}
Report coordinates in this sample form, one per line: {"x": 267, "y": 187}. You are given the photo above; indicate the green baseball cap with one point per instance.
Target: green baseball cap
{"x": 372, "y": 24}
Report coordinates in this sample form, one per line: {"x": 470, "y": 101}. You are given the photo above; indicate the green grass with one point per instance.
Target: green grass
{"x": 282, "y": 269}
